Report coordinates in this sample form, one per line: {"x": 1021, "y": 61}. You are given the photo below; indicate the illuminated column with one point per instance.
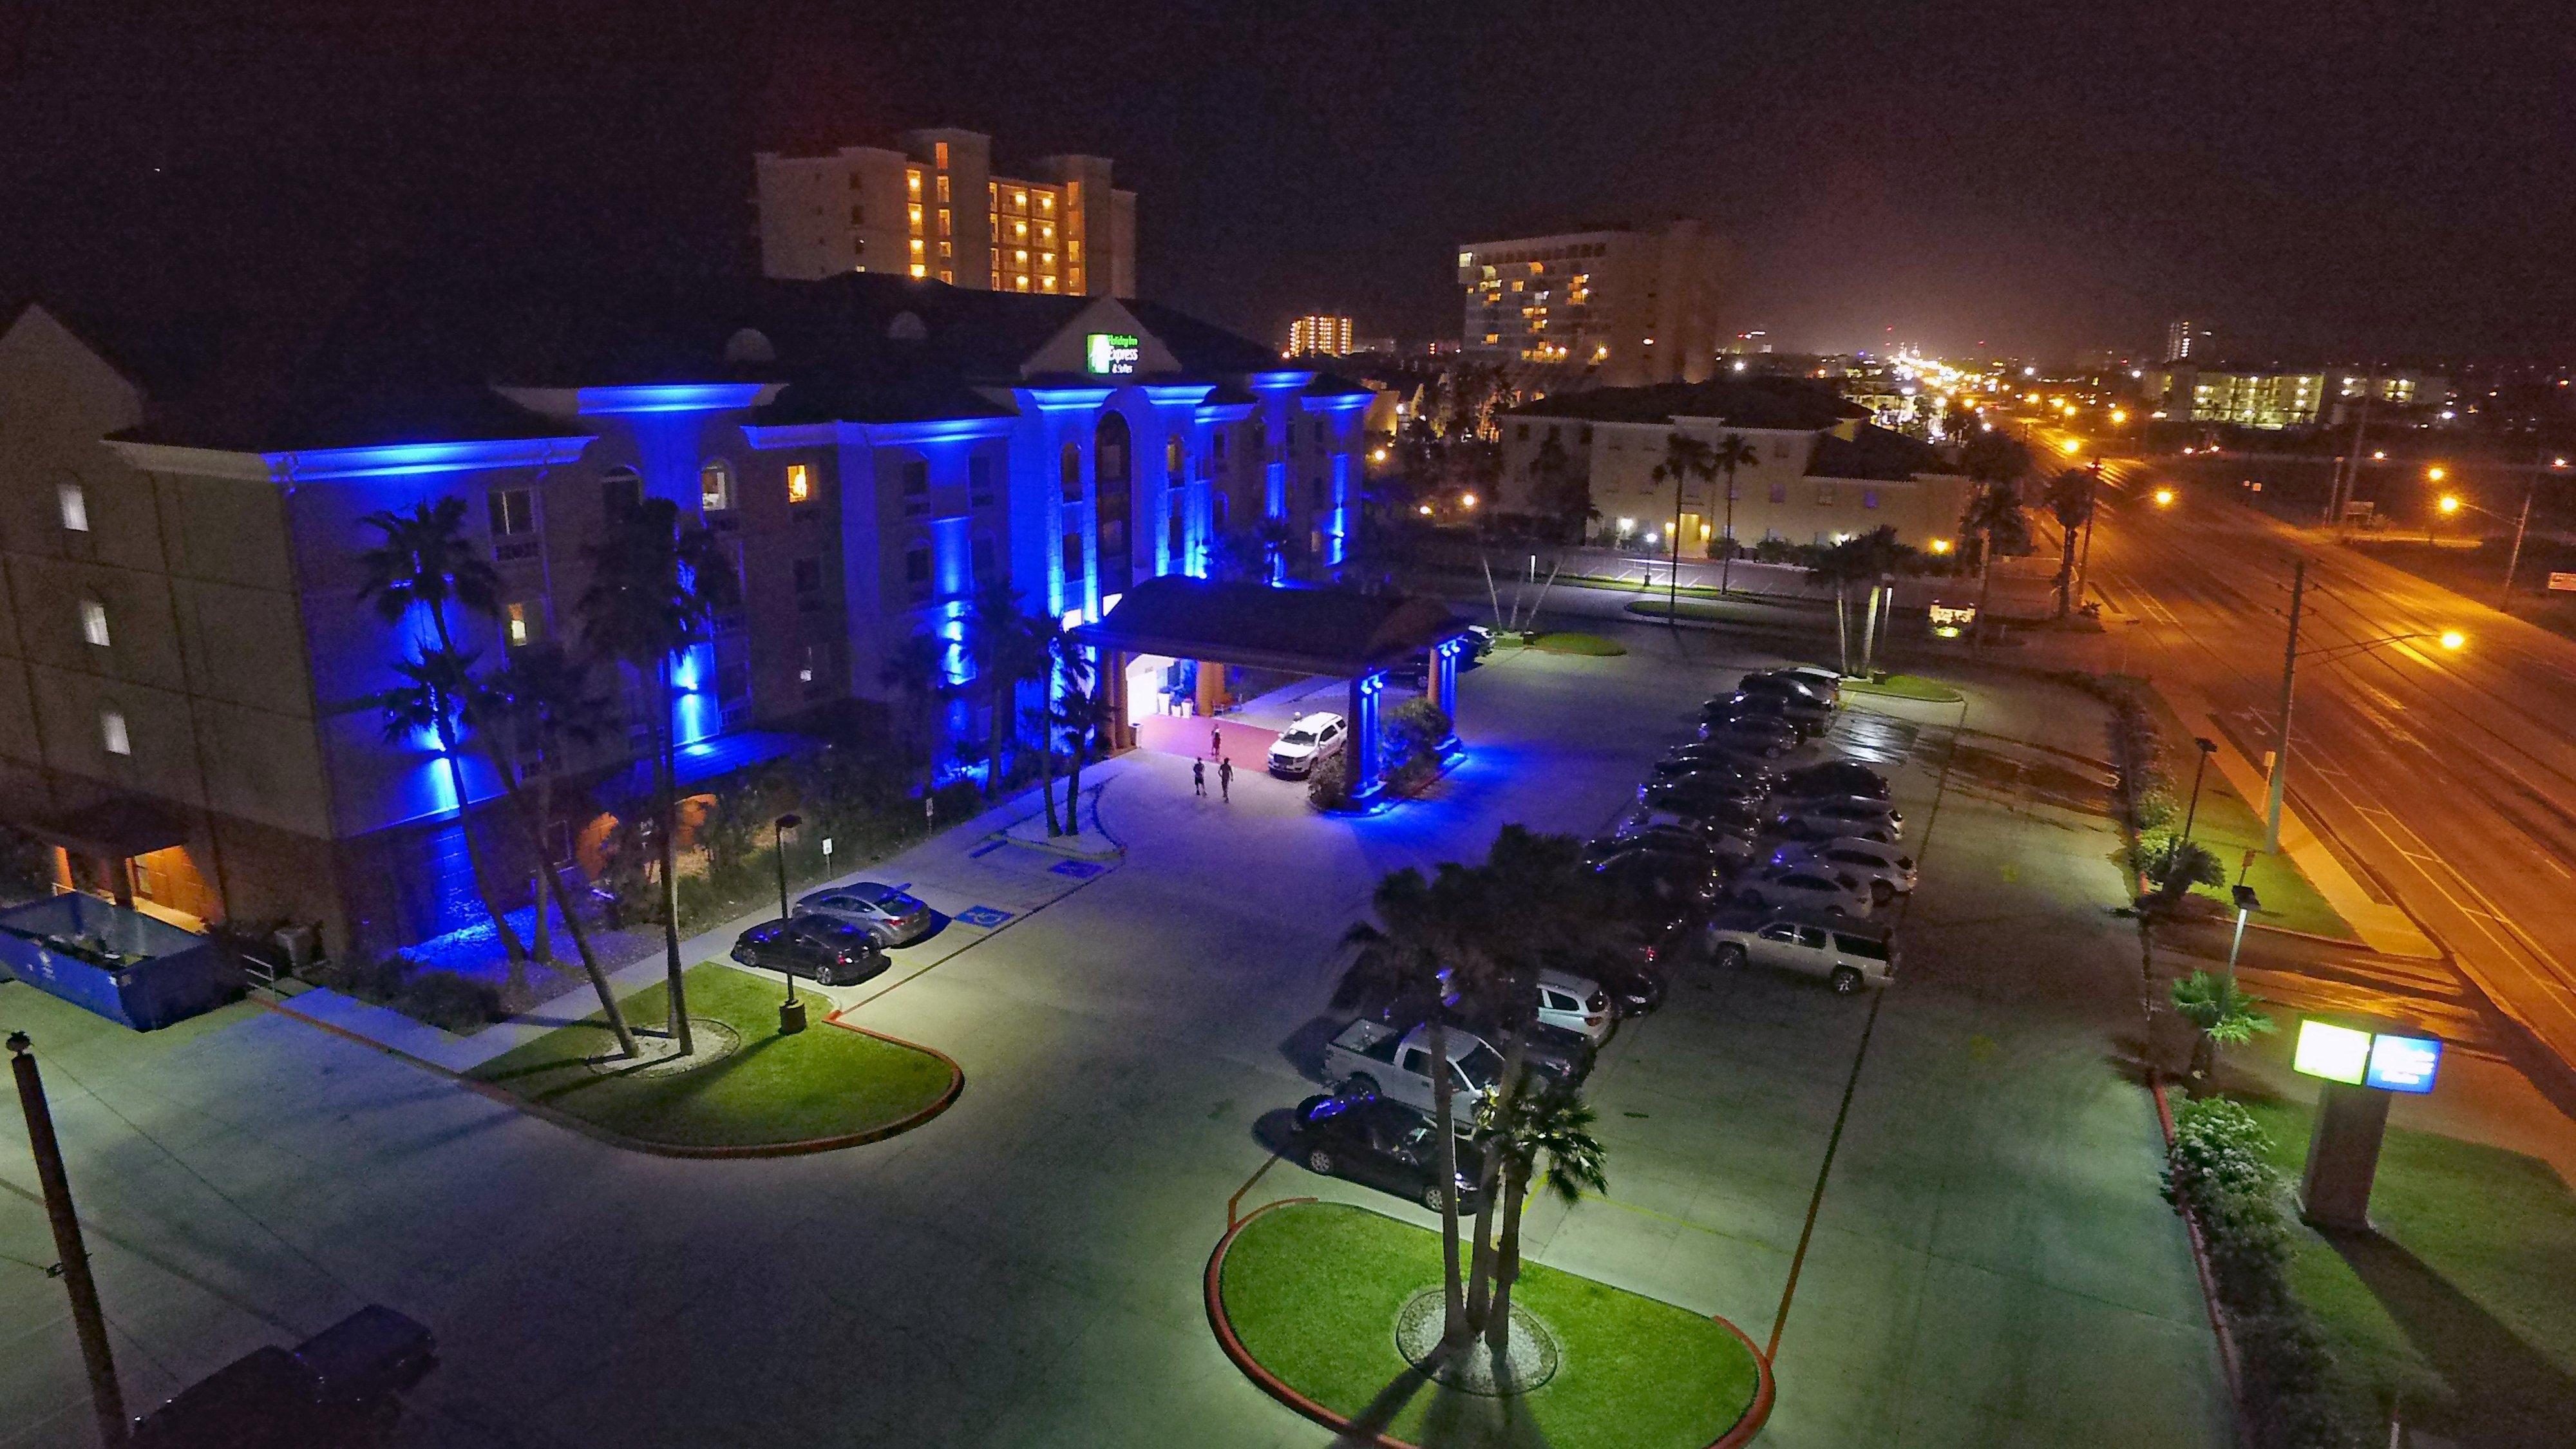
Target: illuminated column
{"x": 1444, "y": 686}
{"x": 1360, "y": 755}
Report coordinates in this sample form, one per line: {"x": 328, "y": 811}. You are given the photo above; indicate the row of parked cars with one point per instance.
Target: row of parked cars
{"x": 837, "y": 935}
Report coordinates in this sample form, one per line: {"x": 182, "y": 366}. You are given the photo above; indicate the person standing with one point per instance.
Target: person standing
{"x": 1216, "y": 739}
{"x": 1198, "y": 778}
{"x": 1225, "y": 780}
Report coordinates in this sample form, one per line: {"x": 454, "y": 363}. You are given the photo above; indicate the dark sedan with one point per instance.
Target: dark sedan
{"x": 831, "y": 952}
{"x": 1384, "y": 1144}
{"x": 1833, "y": 777}
{"x": 1752, "y": 733}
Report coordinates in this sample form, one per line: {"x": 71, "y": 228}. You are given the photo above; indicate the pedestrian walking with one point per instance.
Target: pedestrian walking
{"x": 1225, "y": 780}
{"x": 1198, "y": 778}
{"x": 1216, "y": 739}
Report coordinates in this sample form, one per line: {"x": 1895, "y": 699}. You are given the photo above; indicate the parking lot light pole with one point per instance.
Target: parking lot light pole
{"x": 2246, "y": 904}
{"x": 71, "y": 1256}
{"x": 2208, "y": 747}
{"x": 2291, "y": 654}
{"x": 790, "y": 1010}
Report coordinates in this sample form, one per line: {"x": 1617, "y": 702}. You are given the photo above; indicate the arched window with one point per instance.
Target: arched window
{"x": 621, "y": 491}
{"x": 1260, "y": 439}
{"x": 1172, "y": 460}
{"x": 1113, "y": 500}
{"x": 715, "y": 485}
{"x": 1072, "y": 472}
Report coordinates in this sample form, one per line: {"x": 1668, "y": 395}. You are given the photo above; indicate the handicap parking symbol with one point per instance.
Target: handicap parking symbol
{"x": 983, "y": 916}
{"x": 1078, "y": 869}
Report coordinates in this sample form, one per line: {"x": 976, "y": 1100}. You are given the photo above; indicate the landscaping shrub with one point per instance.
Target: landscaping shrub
{"x": 449, "y": 1002}
{"x": 2219, "y": 1170}
{"x": 1328, "y": 784}
{"x": 2174, "y": 864}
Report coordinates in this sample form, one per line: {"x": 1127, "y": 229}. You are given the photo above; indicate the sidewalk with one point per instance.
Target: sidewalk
{"x": 979, "y": 874}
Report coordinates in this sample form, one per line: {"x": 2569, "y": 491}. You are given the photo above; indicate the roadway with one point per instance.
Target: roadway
{"x": 2449, "y": 777}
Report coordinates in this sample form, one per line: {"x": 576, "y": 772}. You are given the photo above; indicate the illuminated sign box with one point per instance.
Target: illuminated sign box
{"x": 1948, "y": 620}
{"x": 1112, "y": 354}
{"x": 2388, "y": 1061}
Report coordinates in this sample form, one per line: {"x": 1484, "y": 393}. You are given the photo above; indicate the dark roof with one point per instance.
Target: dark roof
{"x": 1204, "y": 347}
{"x": 1331, "y": 385}
{"x": 1873, "y": 453}
{"x": 1750, "y": 402}
{"x": 1312, "y": 631}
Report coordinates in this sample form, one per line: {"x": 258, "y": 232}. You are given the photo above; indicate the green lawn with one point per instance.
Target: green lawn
{"x": 1312, "y": 1290}
{"x": 2230, "y": 827}
{"x": 2462, "y": 1305}
{"x": 1905, "y": 686}
{"x": 774, "y": 1090}
{"x": 1572, "y": 643}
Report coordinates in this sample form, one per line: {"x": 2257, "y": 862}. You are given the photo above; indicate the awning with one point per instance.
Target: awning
{"x": 1302, "y": 631}
{"x": 113, "y": 825}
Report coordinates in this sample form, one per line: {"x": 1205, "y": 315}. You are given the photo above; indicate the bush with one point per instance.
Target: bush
{"x": 1328, "y": 784}
{"x": 2175, "y": 865}
{"x": 449, "y": 1002}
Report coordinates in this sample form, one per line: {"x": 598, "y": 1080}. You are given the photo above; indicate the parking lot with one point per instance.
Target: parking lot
{"x": 1989, "y": 1263}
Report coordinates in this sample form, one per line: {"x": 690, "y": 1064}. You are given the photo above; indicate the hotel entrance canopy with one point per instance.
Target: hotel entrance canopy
{"x": 1331, "y": 632}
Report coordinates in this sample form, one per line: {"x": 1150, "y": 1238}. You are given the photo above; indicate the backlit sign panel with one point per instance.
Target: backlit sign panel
{"x": 2336, "y": 1053}
{"x": 2403, "y": 1063}
{"x": 1112, "y": 354}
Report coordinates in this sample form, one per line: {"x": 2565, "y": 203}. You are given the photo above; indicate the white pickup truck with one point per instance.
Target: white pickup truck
{"x": 1371, "y": 1057}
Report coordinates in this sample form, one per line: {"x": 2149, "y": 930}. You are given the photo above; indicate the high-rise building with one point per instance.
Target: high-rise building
{"x": 1320, "y": 335}
{"x": 1624, "y": 307}
{"x": 2185, "y": 340}
{"x": 936, "y": 211}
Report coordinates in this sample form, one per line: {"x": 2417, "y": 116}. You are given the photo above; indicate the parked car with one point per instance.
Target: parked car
{"x": 1571, "y": 1003}
{"x": 1808, "y": 816}
{"x": 831, "y": 951}
{"x": 1847, "y": 954}
{"x": 1827, "y": 684}
{"x": 1484, "y": 637}
{"x": 1373, "y": 1058}
{"x": 335, "y": 1388}
{"x": 1382, "y": 1143}
{"x": 1307, "y": 739}
{"x": 1789, "y": 825}
{"x": 1635, "y": 984}
{"x": 1886, "y": 871}
{"x": 1662, "y": 885}
{"x": 1716, "y": 806}
{"x": 1754, "y": 734}
{"x": 1733, "y": 768}
{"x": 1785, "y": 703}
{"x": 1726, "y": 752}
{"x": 1791, "y": 683}
{"x": 1809, "y": 885}
{"x": 1832, "y": 777}
{"x": 894, "y": 917}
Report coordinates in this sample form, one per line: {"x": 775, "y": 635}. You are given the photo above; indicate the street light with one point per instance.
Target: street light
{"x": 2071, "y": 446}
{"x": 2164, "y": 498}
{"x": 2208, "y": 747}
{"x": 2291, "y": 654}
{"x": 791, "y": 1012}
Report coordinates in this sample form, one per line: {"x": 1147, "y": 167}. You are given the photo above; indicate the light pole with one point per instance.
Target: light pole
{"x": 2291, "y": 654}
{"x": 2522, "y": 524}
{"x": 71, "y": 1255}
{"x": 2246, "y": 904}
{"x": 2208, "y": 747}
{"x": 791, "y": 1012}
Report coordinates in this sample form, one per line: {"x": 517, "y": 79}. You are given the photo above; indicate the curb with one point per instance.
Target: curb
{"x": 1756, "y": 1413}
{"x": 796, "y": 1148}
{"x": 2227, "y": 1356}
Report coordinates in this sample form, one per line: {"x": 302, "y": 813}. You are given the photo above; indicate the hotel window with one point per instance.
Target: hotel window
{"x": 912, "y": 181}
{"x": 943, "y": 191}
{"x": 518, "y": 625}
{"x": 1046, "y": 201}
{"x": 919, "y": 271}
{"x": 715, "y": 485}
{"x": 513, "y": 512}
{"x": 916, "y": 572}
{"x": 800, "y": 483}
{"x": 916, "y": 486}
{"x": 815, "y": 672}
{"x": 75, "y": 506}
{"x": 111, "y": 732}
{"x": 912, "y": 214}
{"x": 806, "y": 574}
{"x": 1021, "y": 282}
{"x": 947, "y": 250}
{"x": 1046, "y": 284}
{"x": 1073, "y": 565}
{"x": 939, "y": 154}
{"x": 1779, "y": 492}
{"x": 1869, "y": 498}
{"x": 1175, "y": 466}
{"x": 93, "y": 617}
{"x": 943, "y": 221}
{"x": 1178, "y": 550}
{"x": 948, "y": 276}
{"x": 981, "y": 555}
{"x": 1069, "y": 470}
{"x": 621, "y": 491}
{"x": 979, "y": 481}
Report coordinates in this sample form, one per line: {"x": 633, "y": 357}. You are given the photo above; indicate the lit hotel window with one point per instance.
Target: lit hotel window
{"x": 1046, "y": 284}
{"x": 93, "y": 615}
{"x": 946, "y": 275}
{"x": 939, "y": 154}
{"x": 912, "y": 182}
{"x": 800, "y": 483}
{"x": 75, "y": 505}
{"x": 919, "y": 271}
{"x": 515, "y": 624}
{"x": 111, "y": 732}
{"x": 715, "y": 485}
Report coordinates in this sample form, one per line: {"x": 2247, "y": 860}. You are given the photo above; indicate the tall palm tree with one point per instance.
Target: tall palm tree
{"x": 1002, "y": 651}
{"x": 1685, "y": 458}
{"x": 431, "y": 699}
{"x": 1996, "y": 521}
{"x": 2070, "y": 501}
{"x": 1548, "y": 1125}
{"x": 1081, "y": 708}
{"x": 528, "y": 714}
{"x": 422, "y": 564}
{"x": 1731, "y": 453}
{"x": 917, "y": 671}
{"x": 655, "y": 590}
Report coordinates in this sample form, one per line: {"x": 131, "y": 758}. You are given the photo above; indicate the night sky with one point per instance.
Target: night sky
{"x": 2346, "y": 180}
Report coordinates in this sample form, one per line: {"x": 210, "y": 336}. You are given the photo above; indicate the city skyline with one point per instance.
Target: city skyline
{"x": 2031, "y": 208}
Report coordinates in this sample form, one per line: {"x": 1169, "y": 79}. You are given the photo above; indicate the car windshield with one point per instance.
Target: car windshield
{"x": 1481, "y": 1067}
{"x": 1297, "y": 737}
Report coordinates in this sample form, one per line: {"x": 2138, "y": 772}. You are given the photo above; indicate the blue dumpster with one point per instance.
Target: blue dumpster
{"x": 119, "y": 963}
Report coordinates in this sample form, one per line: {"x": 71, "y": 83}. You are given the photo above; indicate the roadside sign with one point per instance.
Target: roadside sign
{"x": 2562, "y": 583}
{"x": 1949, "y": 620}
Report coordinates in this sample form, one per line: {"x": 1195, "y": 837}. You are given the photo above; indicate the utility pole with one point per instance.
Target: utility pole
{"x": 2350, "y": 473}
{"x": 2522, "y": 525}
{"x": 88, "y": 1321}
{"x": 2289, "y": 684}
{"x": 2092, "y": 505}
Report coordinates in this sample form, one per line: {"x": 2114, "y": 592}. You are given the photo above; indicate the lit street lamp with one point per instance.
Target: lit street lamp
{"x": 2291, "y": 654}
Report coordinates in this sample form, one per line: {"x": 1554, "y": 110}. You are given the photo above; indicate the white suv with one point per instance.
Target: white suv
{"x": 1307, "y": 739}
{"x": 1848, "y": 954}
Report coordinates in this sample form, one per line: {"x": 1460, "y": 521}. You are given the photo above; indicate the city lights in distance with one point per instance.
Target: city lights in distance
{"x": 1426, "y": 510}
{"x": 2453, "y": 638}
{"x": 2118, "y": 417}
{"x": 2437, "y": 473}
{"x": 2164, "y": 498}
{"x": 1940, "y": 545}
{"x": 1466, "y": 500}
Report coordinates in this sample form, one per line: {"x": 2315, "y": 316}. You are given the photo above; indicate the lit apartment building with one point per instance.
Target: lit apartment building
{"x": 1819, "y": 473}
{"x": 1320, "y": 335}
{"x": 2184, "y": 339}
{"x": 2286, "y": 398}
{"x": 1623, "y": 307}
{"x": 188, "y": 675}
{"x": 935, "y": 210}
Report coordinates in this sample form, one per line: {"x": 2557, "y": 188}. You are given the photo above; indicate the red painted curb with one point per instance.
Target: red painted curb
{"x": 1748, "y": 1424}
{"x": 798, "y": 1148}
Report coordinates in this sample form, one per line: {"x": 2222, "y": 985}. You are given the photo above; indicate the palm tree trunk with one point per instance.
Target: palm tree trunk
{"x": 512, "y": 948}
{"x": 1046, "y": 776}
{"x": 2065, "y": 569}
{"x": 551, "y": 888}
{"x": 1726, "y": 554}
{"x": 666, "y": 756}
{"x": 1444, "y": 1125}
{"x": 1480, "y": 1261}
{"x": 993, "y": 746}
{"x": 1073, "y": 777}
{"x": 1985, "y": 588}
{"x": 1498, "y": 1319}
{"x": 1842, "y": 625}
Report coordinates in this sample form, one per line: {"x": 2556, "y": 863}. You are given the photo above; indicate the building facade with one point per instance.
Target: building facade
{"x": 1320, "y": 334}
{"x": 935, "y": 210}
{"x": 1818, "y": 474}
{"x": 2286, "y": 398}
{"x": 1620, "y": 308}
{"x": 189, "y": 678}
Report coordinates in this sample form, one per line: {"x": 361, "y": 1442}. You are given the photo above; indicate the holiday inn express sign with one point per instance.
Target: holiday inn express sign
{"x": 1112, "y": 354}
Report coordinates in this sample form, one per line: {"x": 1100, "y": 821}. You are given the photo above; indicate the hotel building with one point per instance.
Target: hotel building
{"x": 936, "y": 211}
{"x": 1320, "y": 335}
{"x": 189, "y": 677}
{"x": 1621, "y": 308}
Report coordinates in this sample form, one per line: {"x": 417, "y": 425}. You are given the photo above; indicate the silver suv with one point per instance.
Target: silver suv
{"x": 1847, "y": 954}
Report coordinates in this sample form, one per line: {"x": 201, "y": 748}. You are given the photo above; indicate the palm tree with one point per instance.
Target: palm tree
{"x": 1685, "y": 458}
{"x": 431, "y": 700}
{"x": 1002, "y": 650}
{"x": 1081, "y": 708}
{"x": 1867, "y": 557}
{"x": 655, "y": 590}
{"x": 1995, "y": 520}
{"x": 422, "y": 564}
{"x": 917, "y": 670}
{"x": 2226, "y": 1016}
{"x": 1550, "y": 1125}
{"x": 1731, "y": 453}
{"x": 2070, "y": 499}
{"x": 528, "y": 714}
